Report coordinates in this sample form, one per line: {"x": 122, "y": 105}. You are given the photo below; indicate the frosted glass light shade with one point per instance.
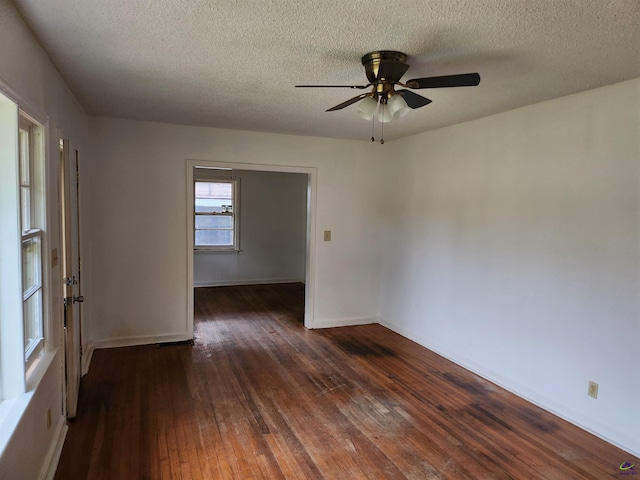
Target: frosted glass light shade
{"x": 384, "y": 114}
{"x": 367, "y": 108}
{"x": 397, "y": 106}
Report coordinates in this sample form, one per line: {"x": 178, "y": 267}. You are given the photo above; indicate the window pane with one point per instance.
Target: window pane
{"x": 214, "y": 190}
{"x": 214, "y": 238}
{"x": 214, "y": 197}
{"x": 214, "y": 221}
{"x": 213, "y": 205}
{"x": 24, "y": 158}
{"x": 25, "y": 208}
{"x": 30, "y": 263}
{"x": 32, "y": 320}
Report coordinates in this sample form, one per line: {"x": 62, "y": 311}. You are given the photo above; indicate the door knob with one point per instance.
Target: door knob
{"x": 78, "y": 299}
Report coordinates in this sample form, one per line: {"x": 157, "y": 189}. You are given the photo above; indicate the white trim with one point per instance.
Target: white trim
{"x": 189, "y": 246}
{"x": 32, "y": 233}
{"x": 39, "y": 204}
{"x": 23, "y": 103}
{"x": 254, "y": 281}
{"x": 40, "y": 368}
{"x": 137, "y": 341}
{"x": 234, "y": 214}
{"x": 310, "y": 280}
{"x": 27, "y": 109}
{"x": 209, "y": 251}
{"x": 12, "y": 410}
{"x": 12, "y": 372}
{"x": 312, "y": 175}
{"x": 345, "y": 322}
{"x": 50, "y": 464}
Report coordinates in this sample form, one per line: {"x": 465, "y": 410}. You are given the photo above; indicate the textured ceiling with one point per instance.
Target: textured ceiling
{"x": 233, "y": 64}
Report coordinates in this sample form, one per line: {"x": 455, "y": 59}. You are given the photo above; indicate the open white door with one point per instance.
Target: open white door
{"x": 71, "y": 272}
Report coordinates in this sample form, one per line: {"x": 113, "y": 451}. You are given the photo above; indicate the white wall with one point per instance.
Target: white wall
{"x": 139, "y": 223}
{"x": 273, "y": 228}
{"x": 513, "y": 249}
{"x": 26, "y": 69}
{"x": 510, "y": 243}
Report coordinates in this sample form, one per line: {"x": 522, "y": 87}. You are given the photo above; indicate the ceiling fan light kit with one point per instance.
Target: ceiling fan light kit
{"x": 368, "y": 107}
{"x": 398, "y": 108}
{"x": 384, "y": 69}
{"x": 384, "y": 116}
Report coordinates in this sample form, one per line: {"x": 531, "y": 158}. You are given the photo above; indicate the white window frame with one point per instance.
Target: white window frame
{"x": 32, "y": 228}
{"x": 234, "y": 214}
{"x": 17, "y": 376}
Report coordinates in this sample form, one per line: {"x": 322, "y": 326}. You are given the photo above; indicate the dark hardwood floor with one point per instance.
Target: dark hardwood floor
{"x": 260, "y": 397}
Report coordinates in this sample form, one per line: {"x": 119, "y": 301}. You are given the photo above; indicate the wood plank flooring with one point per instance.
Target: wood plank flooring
{"x": 260, "y": 397}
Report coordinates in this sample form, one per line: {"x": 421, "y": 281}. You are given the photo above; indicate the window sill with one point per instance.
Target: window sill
{"x": 211, "y": 251}
{"x": 11, "y": 412}
{"x": 38, "y": 369}
{"x": 12, "y": 409}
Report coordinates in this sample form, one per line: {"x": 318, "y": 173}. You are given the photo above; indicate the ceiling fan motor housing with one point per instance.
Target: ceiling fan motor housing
{"x": 385, "y": 66}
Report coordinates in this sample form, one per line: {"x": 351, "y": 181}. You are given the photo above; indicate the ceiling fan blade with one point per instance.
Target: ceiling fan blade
{"x": 413, "y": 99}
{"x": 359, "y": 87}
{"x": 351, "y": 101}
{"x": 462, "y": 80}
{"x": 390, "y": 70}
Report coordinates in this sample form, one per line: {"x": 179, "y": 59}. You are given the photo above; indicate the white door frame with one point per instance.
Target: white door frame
{"x": 312, "y": 176}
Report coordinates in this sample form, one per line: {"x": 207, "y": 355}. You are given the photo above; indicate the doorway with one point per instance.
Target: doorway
{"x": 310, "y": 177}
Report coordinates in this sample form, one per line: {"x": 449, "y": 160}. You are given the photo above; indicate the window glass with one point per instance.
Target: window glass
{"x": 215, "y": 216}
{"x": 25, "y": 177}
{"x": 214, "y": 197}
{"x": 25, "y": 209}
{"x": 214, "y": 221}
{"x": 25, "y": 180}
{"x": 30, "y": 264}
{"x": 32, "y": 322}
{"x": 220, "y": 238}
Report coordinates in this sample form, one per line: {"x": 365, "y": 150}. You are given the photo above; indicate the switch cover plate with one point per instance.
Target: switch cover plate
{"x": 593, "y": 389}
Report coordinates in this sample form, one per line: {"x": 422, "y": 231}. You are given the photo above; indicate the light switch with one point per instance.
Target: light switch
{"x": 327, "y": 235}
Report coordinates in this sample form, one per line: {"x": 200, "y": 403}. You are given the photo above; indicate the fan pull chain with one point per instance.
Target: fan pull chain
{"x": 373, "y": 123}
{"x": 373, "y": 126}
{"x": 382, "y": 126}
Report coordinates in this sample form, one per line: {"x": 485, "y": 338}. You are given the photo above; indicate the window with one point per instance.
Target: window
{"x": 31, "y": 217}
{"x": 23, "y": 247}
{"x": 216, "y": 215}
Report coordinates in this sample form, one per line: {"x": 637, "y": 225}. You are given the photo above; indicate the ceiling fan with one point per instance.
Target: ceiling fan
{"x": 384, "y": 69}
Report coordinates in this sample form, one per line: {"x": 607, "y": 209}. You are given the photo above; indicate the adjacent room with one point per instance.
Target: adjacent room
{"x": 318, "y": 240}
{"x": 250, "y": 227}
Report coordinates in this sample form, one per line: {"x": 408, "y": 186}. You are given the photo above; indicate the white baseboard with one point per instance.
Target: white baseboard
{"x": 254, "y": 281}
{"x": 345, "y": 322}
{"x": 142, "y": 340}
{"x": 518, "y": 390}
{"x": 53, "y": 455}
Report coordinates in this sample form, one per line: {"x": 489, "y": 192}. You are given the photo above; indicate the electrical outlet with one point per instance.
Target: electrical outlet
{"x": 593, "y": 389}
{"x": 327, "y": 235}
{"x": 48, "y": 418}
